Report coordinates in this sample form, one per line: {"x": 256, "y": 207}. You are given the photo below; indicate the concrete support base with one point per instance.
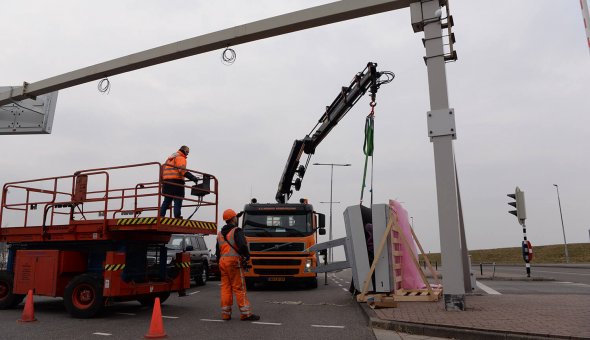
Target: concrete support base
{"x": 454, "y": 302}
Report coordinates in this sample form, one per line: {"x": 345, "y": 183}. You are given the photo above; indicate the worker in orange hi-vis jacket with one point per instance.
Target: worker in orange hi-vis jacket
{"x": 233, "y": 255}
{"x": 173, "y": 174}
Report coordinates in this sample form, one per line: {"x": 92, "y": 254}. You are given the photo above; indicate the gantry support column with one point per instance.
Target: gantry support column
{"x": 426, "y": 16}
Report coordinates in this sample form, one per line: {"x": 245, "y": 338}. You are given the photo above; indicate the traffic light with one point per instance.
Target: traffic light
{"x": 518, "y": 203}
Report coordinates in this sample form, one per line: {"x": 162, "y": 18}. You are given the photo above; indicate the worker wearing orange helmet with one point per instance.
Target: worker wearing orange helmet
{"x": 173, "y": 174}
{"x": 233, "y": 254}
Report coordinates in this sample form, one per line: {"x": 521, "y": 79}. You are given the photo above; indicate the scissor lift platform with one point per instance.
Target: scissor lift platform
{"x": 92, "y": 239}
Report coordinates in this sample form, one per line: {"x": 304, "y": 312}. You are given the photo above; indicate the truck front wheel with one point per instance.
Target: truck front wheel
{"x": 83, "y": 296}
{"x": 7, "y": 298}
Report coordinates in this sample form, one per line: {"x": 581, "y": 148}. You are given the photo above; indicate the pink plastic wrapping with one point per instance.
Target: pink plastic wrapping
{"x": 411, "y": 278}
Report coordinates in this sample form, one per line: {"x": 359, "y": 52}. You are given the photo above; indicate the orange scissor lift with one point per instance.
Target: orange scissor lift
{"x": 93, "y": 240}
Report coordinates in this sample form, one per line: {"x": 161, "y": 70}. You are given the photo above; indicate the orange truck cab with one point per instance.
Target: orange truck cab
{"x": 279, "y": 236}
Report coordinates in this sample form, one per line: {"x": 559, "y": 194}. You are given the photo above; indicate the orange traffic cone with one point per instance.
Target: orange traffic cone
{"x": 28, "y": 312}
{"x": 156, "y": 330}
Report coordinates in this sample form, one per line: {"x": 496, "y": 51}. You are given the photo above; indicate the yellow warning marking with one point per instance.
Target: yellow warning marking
{"x": 114, "y": 267}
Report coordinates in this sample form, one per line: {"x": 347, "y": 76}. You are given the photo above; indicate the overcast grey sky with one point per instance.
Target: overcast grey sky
{"x": 520, "y": 90}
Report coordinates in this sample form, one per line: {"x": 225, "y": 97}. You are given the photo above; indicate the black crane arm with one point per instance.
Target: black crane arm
{"x": 366, "y": 80}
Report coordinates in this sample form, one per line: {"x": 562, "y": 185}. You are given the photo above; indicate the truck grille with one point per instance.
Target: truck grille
{"x": 261, "y": 246}
{"x": 276, "y": 262}
{"x": 275, "y": 272}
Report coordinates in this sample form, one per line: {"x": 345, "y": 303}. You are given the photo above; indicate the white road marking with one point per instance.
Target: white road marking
{"x": 104, "y": 334}
{"x": 569, "y": 273}
{"x": 327, "y": 326}
{"x": 169, "y": 317}
{"x": 340, "y": 285}
{"x": 487, "y": 289}
{"x": 267, "y": 323}
{"x": 347, "y": 281}
{"x": 193, "y": 293}
{"x": 126, "y": 313}
{"x": 344, "y": 289}
{"x": 212, "y": 320}
{"x": 575, "y": 284}
{"x": 219, "y": 284}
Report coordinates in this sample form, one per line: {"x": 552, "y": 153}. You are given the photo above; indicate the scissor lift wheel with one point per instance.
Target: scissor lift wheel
{"x": 83, "y": 296}
{"x": 7, "y": 298}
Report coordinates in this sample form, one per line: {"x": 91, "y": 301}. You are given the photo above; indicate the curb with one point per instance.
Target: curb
{"x": 552, "y": 265}
{"x": 452, "y": 332}
{"x": 509, "y": 278}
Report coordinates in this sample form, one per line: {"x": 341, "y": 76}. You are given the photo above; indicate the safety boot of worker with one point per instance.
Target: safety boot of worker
{"x": 252, "y": 317}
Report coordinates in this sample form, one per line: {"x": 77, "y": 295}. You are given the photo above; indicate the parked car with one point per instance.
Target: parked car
{"x": 214, "y": 272}
{"x": 199, "y": 254}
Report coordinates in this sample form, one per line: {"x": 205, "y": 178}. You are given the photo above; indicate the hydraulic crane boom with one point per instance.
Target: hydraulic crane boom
{"x": 366, "y": 80}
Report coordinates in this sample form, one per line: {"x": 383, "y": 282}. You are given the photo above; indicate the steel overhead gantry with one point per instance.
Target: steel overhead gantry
{"x": 426, "y": 16}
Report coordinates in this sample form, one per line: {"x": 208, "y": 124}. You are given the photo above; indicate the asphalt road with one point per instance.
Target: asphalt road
{"x": 576, "y": 274}
{"x": 562, "y": 280}
{"x": 327, "y": 312}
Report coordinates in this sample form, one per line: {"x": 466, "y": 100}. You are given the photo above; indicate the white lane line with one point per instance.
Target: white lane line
{"x": 340, "y": 285}
{"x": 121, "y": 313}
{"x": 344, "y": 289}
{"x": 193, "y": 293}
{"x": 487, "y": 289}
{"x": 327, "y": 326}
{"x": 104, "y": 334}
{"x": 565, "y": 282}
{"x": 212, "y": 320}
{"x": 346, "y": 281}
{"x": 169, "y": 317}
{"x": 267, "y": 323}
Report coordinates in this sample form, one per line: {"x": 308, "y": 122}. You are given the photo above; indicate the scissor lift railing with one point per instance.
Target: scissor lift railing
{"x": 96, "y": 204}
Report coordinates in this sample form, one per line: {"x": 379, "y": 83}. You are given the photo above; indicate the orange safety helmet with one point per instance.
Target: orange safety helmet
{"x": 228, "y": 214}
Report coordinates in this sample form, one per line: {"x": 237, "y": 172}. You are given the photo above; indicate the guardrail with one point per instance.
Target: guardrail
{"x": 493, "y": 264}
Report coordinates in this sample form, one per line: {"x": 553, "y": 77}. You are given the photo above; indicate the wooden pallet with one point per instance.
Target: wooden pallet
{"x": 417, "y": 294}
{"x": 376, "y": 301}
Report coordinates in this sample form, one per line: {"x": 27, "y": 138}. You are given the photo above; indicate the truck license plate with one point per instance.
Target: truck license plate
{"x": 276, "y": 279}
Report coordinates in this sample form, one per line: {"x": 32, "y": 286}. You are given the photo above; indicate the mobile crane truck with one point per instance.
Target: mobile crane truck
{"x": 70, "y": 237}
{"x": 279, "y": 233}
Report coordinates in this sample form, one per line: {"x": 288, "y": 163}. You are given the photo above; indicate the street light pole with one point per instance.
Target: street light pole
{"x": 567, "y": 257}
{"x": 332, "y": 165}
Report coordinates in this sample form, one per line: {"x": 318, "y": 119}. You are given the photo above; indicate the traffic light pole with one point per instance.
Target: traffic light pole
{"x": 526, "y": 250}
{"x": 520, "y": 213}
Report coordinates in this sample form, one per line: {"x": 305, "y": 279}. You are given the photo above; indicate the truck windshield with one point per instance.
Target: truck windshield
{"x": 277, "y": 225}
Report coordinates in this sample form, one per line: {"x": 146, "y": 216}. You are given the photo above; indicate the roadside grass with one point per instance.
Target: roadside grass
{"x": 578, "y": 253}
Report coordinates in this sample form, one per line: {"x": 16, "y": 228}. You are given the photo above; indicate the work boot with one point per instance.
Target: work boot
{"x": 252, "y": 317}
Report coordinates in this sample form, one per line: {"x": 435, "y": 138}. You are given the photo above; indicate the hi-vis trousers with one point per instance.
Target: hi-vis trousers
{"x": 232, "y": 282}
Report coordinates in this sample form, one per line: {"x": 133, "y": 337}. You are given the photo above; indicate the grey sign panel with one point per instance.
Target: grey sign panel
{"x": 358, "y": 255}
{"x": 29, "y": 116}
{"x": 384, "y": 273}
